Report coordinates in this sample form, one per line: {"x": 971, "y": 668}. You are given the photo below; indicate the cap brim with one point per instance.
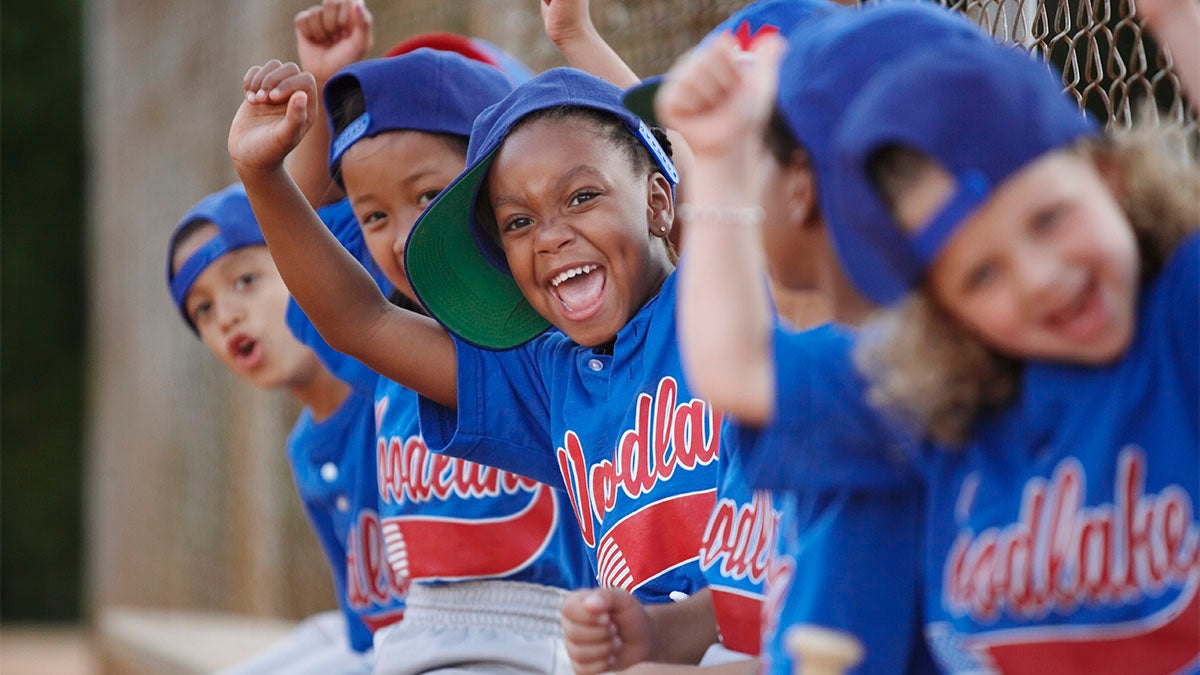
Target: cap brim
{"x": 639, "y": 99}
{"x": 452, "y": 278}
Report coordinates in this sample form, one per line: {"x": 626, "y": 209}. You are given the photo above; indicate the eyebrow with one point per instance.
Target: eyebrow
{"x": 559, "y": 185}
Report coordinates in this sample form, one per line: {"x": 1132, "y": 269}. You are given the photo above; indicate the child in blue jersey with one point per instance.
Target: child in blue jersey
{"x": 848, "y": 557}
{"x": 1037, "y": 542}
{"x": 228, "y": 291}
{"x": 637, "y": 451}
{"x": 489, "y": 553}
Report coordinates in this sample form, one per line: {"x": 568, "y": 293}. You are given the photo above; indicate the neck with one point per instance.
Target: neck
{"x": 321, "y": 393}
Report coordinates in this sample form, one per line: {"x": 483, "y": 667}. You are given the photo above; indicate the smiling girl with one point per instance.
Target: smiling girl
{"x": 559, "y": 220}
{"x": 1043, "y": 301}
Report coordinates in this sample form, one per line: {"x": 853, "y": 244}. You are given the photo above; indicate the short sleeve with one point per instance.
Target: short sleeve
{"x": 503, "y": 415}
{"x": 823, "y": 435}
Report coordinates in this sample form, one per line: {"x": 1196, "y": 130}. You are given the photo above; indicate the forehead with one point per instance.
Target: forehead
{"x": 575, "y": 138}
{"x": 404, "y": 146}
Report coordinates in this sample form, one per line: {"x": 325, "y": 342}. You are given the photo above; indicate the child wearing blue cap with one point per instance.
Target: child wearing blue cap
{"x": 490, "y": 553}
{"x": 549, "y": 408}
{"x": 229, "y": 293}
{"x": 848, "y": 555}
{"x": 1035, "y": 559}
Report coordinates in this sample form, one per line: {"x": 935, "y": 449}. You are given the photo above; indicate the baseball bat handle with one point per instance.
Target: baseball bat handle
{"x": 821, "y": 651}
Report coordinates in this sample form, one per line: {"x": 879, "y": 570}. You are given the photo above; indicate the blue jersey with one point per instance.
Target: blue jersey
{"x": 846, "y": 559}
{"x": 736, "y": 552}
{"x": 446, "y": 519}
{"x": 1064, "y": 537}
{"x": 1068, "y": 531}
{"x": 620, "y": 431}
{"x": 333, "y": 462}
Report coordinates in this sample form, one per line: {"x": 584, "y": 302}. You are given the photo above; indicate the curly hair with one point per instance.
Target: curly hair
{"x": 939, "y": 378}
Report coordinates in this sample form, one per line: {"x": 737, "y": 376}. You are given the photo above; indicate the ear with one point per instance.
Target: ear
{"x": 800, "y": 186}
{"x": 660, "y": 205}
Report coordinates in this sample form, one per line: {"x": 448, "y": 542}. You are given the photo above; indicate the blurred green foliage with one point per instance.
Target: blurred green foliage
{"x": 42, "y": 309}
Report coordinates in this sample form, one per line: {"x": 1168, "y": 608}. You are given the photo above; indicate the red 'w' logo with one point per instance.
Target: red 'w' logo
{"x": 665, "y": 437}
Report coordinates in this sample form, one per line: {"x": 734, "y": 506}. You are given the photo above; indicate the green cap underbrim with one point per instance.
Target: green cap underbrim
{"x": 460, "y": 287}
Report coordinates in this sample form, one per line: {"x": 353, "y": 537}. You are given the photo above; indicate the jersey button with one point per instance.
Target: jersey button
{"x": 343, "y": 504}
{"x": 329, "y": 472}
{"x": 596, "y": 365}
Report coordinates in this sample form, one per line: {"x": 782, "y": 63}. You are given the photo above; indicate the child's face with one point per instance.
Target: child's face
{"x": 239, "y": 306}
{"x": 390, "y": 178}
{"x": 1046, "y": 269}
{"x": 579, "y": 226}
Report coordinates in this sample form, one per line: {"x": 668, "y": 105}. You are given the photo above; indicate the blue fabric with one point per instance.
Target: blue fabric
{"x": 826, "y": 66}
{"x": 635, "y": 450}
{"x": 849, "y": 562}
{"x": 850, "y": 507}
{"x": 1084, "y": 452}
{"x": 425, "y": 90}
{"x": 228, "y": 210}
{"x": 828, "y": 436}
{"x": 333, "y": 464}
{"x": 1064, "y": 536}
{"x": 736, "y": 553}
{"x": 446, "y": 519}
{"x": 976, "y": 108}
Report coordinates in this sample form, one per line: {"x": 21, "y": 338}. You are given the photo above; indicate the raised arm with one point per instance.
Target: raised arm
{"x": 329, "y": 37}
{"x": 719, "y": 99}
{"x": 569, "y": 26}
{"x": 331, "y": 287}
{"x": 1176, "y": 26}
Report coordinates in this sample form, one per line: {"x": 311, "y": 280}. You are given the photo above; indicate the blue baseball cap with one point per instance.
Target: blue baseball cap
{"x": 747, "y": 24}
{"x": 824, "y": 70}
{"x": 229, "y": 211}
{"x": 457, "y": 270}
{"x": 424, "y": 90}
{"x": 981, "y": 110}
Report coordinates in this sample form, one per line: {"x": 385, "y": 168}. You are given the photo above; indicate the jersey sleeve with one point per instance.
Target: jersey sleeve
{"x": 823, "y": 434}
{"x": 854, "y": 567}
{"x": 503, "y": 415}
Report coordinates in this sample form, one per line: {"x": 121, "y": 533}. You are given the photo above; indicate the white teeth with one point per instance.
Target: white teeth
{"x": 573, "y": 272}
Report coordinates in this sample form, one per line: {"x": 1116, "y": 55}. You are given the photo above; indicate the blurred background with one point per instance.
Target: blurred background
{"x": 146, "y": 508}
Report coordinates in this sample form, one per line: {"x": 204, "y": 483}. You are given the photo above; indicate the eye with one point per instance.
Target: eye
{"x": 515, "y": 223}
{"x": 584, "y": 196}
{"x": 980, "y": 276}
{"x": 200, "y": 311}
{"x": 427, "y": 196}
{"x": 244, "y": 281}
{"x": 1046, "y": 219}
{"x": 372, "y": 220}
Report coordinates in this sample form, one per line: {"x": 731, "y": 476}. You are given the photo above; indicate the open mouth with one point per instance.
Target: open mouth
{"x": 245, "y": 351}
{"x": 579, "y": 290}
{"x": 1081, "y": 319}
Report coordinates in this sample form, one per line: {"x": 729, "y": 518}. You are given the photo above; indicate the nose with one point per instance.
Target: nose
{"x": 1038, "y": 271}
{"x": 229, "y": 313}
{"x": 552, "y": 234}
